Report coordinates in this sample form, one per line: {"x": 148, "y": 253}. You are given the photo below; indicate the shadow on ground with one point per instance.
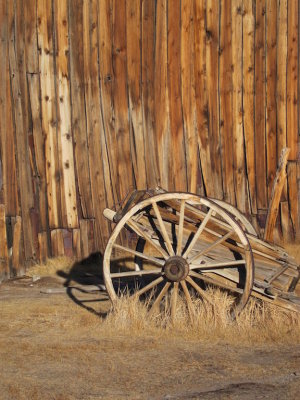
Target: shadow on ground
{"x": 84, "y": 283}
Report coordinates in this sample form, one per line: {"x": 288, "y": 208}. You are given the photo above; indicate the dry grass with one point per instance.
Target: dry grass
{"x": 257, "y": 323}
{"x": 51, "y": 266}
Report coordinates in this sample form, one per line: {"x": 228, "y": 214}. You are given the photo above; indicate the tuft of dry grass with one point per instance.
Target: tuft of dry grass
{"x": 51, "y": 266}
{"x": 258, "y": 323}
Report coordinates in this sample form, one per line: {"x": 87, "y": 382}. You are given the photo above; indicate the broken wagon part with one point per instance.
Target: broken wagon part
{"x": 165, "y": 243}
{"x": 278, "y": 184}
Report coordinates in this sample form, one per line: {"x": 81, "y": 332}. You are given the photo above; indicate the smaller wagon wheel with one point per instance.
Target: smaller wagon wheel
{"x": 190, "y": 243}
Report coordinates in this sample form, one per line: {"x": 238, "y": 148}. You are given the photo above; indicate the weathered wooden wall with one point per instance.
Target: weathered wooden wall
{"x": 102, "y": 96}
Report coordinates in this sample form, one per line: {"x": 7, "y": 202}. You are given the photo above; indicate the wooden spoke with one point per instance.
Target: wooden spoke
{"x": 135, "y": 227}
{"x": 189, "y": 302}
{"x": 205, "y": 225}
{"x": 135, "y": 273}
{"x": 163, "y": 229}
{"x": 198, "y": 289}
{"x": 225, "y": 264}
{"x": 211, "y": 247}
{"x": 215, "y": 282}
{"x": 174, "y": 301}
{"x": 159, "y": 298}
{"x": 151, "y": 285}
{"x": 141, "y": 255}
{"x": 180, "y": 228}
{"x": 198, "y": 233}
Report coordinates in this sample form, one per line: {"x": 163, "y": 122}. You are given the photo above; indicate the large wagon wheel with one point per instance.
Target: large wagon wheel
{"x": 191, "y": 242}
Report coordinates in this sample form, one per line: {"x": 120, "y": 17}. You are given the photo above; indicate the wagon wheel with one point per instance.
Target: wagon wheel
{"x": 191, "y": 242}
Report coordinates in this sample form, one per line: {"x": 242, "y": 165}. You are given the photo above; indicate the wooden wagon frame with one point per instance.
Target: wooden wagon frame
{"x": 169, "y": 243}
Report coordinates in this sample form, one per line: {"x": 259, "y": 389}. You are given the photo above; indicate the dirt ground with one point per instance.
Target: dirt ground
{"x": 54, "y": 345}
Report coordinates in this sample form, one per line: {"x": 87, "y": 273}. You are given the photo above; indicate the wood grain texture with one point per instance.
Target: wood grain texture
{"x": 278, "y": 185}
{"x": 83, "y": 182}
{"x": 226, "y": 116}
{"x": 281, "y": 80}
{"x": 94, "y": 119}
{"x": 212, "y": 81}
{"x": 120, "y": 96}
{"x": 249, "y": 96}
{"x": 147, "y": 44}
{"x": 271, "y": 46}
{"x": 188, "y": 94}
{"x": 161, "y": 105}
{"x": 4, "y": 261}
{"x": 260, "y": 98}
{"x": 64, "y": 129}
{"x": 49, "y": 115}
{"x": 178, "y": 176}
{"x": 133, "y": 17}
{"x": 7, "y": 145}
{"x": 201, "y": 97}
{"x": 100, "y": 97}
{"x": 292, "y": 78}
{"x": 21, "y": 125}
{"x": 17, "y": 230}
{"x": 240, "y": 180}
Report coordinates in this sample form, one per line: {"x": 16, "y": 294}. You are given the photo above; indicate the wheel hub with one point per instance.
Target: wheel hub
{"x": 176, "y": 269}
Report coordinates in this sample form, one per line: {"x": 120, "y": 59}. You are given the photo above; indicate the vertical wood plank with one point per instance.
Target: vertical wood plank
{"x": 125, "y": 176}
{"x": 19, "y": 101}
{"x": 212, "y": 80}
{"x": 161, "y": 108}
{"x": 4, "y": 262}
{"x": 39, "y": 148}
{"x": 57, "y": 243}
{"x": 31, "y": 54}
{"x": 286, "y": 225}
{"x": 84, "y": 242}
{"x": 178, "y": 181}
{"x": 293, "y": 196}
{"x": 49, "y": 116}
{"x": 94, "y": 119}
{"x": 17, "y": 268}
{"x": 240, "y": 182}
{"x": 78, "y": 108}
{"x": 201, "y": 96}
{"x": 281, "y": 62}
{"x": 148, "y": 39}
{"x": 65, "y": 137}
{"x": 43, "y": 247}
{"x": 225, "y": 93}
{"x": 7, "y": 146}
{"x": 188, "y": 95}
{"x": 248, "y": 97}
{"x": 77, "y": 244}
{"x": 133, "y": 45}
{"x": 292, "y": 78}
{"x": 260, "y": 139}
{"x": 68, "y": 242}
{"x": 107, "y": 103}
{"x": 271, "y": 41}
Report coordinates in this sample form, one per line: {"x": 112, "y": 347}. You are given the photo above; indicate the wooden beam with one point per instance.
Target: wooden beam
{"x": 278, "y": 184}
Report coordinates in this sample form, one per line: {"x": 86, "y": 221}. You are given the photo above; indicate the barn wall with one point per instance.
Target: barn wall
{"x": 99, "y": 97}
